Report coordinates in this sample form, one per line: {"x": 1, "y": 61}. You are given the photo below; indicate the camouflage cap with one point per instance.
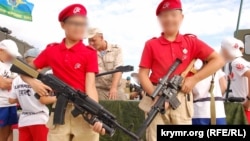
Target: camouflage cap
{"x": 93, "y": 31}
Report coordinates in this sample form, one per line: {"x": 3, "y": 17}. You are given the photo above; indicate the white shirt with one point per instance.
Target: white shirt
{"x": 33, "y": 112}
{"x": 239, "y": 83}
{"x": 4, "y": 94}
{"x": 201, "y": 90}
{"x": 226, "y": 69}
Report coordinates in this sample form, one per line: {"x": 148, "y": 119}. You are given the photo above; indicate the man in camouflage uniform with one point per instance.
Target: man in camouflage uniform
{"x": 109, "y": 58}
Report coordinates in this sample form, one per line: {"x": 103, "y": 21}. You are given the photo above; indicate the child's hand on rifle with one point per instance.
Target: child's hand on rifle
{"x": 40, "y": 88}
{"x": 5, "y": 83}
{"x": 189, "y": 84}
{"x": 156, "y": 99}
{"x": 166, "y": 105}
{"x": 98, "y": 128}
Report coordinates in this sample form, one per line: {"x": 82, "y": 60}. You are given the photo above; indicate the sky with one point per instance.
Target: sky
{"x": 129, "y": 23}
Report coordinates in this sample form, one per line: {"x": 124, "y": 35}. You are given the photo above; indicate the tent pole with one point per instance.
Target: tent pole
{"x": 239, "y": 15}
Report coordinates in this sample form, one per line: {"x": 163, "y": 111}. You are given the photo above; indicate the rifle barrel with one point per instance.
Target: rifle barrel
{"x": 118, "y": 69}
{"x": 106, "y": 73}
{"x": 131, "y": 134}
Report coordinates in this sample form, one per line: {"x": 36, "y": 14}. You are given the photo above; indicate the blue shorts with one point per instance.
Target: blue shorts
{"x": 8, "y": 116}
{"x": 206, "y": 121}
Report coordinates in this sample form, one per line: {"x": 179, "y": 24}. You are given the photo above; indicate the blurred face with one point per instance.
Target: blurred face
{"x": 75, "y": 27}
{"x": 96, "y": 42}
{"x": 170, "y": 20}
{"x": 29, "y": 60}
{"x": 226, "y": 54}
{"x": 5, "y": 56}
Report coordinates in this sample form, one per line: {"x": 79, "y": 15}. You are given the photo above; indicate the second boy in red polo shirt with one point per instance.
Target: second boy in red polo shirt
{"x": 75, "y": 64}
{"x": 160, "y": 53}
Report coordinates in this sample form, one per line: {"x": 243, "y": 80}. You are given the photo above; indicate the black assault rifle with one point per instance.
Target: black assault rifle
{"x": 167, "y": 92}
{"x": 91, "y": 111}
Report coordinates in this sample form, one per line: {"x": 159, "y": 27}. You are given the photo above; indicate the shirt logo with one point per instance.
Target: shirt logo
{"x": 28, "y": 92}
{"x": 6, "y": 74}
{"x": 77, "y": 65}
{"x": 166, "y": 5}
{"x": 24, "y": 92}
{"x": 231, "y": 76}
{"x": 240, "y": 66}
{"x": 77, "y": 10}
{"x": 185, "y": 51}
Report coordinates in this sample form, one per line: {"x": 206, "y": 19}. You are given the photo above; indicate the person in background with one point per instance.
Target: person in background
{"x": 136, "y": 89}
{"x": 109, "y": 58}
{"x": 76, "y": 65}
{"x": 161, "y": 52}
{"x": 128, "y": 82}
{"x": 242, "y": 49}
{"x": 239, "y": 73}
{"x": 202, "y": 98}
{"x": 127, "y": 87}
{"x": 8, "y": 112}
{"x": 34, "y": 116}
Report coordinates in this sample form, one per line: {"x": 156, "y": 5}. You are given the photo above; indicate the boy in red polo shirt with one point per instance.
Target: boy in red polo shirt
{"x": 160, "y": 53}
{"x": 75, "y": 64}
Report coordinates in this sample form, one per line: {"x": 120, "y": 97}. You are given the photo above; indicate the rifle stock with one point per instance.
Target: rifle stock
{"x": 26, "y": 69}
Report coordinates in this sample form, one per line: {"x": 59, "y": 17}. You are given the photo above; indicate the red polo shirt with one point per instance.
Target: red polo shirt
{"x": 69, "y": 65}
{"x": 159, "y": 54}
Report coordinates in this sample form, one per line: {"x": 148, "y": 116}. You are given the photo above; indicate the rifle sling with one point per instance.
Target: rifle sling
{"x": 212, "y": 103}
{"x": 190, "y": 68}
{"x": 209, "y": 99}
{"x": 228, "y": 81}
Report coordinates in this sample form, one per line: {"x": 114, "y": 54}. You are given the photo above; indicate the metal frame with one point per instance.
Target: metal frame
{"x": 239, "y": 16}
